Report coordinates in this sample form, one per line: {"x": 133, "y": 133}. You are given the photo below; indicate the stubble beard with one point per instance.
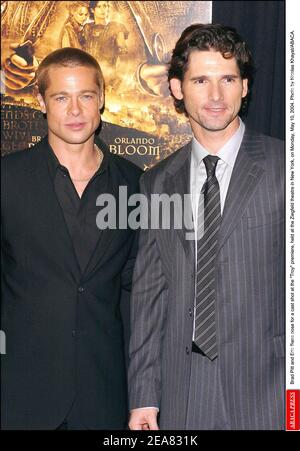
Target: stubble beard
{"x": 215, "y": 125}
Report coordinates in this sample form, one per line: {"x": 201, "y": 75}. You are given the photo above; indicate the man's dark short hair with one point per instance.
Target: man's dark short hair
{"x": 206, "y": 37}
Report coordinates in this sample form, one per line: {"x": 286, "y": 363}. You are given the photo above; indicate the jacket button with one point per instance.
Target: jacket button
{"x": 187, "y": 350}
{"x": 190, "y": 312}
{"x": 80, "y": 289}
{"x": 73, "y": 333}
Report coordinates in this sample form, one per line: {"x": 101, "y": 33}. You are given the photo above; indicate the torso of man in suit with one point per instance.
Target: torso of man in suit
{"x": 241, "y": 384}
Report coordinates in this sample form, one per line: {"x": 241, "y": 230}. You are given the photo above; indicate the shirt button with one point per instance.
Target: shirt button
{"x": 80, "y": 289}
{"x": 187, "y": 350}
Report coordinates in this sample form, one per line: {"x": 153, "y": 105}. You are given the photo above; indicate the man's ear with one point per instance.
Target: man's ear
{"x": 175, "y": 86}
{"x": 245, "y": 87}
{"x": 42, "y": 103}
{"x": 101, "y": 101}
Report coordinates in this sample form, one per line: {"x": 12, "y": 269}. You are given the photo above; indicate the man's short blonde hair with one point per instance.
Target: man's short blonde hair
{"x": 67, "y": 57}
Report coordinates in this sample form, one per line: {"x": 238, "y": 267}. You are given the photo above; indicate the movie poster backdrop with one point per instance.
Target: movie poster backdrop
{"x": 132, "y": 41}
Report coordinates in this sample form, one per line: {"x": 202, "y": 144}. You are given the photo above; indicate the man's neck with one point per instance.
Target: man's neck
{"x": 77, "y": 158}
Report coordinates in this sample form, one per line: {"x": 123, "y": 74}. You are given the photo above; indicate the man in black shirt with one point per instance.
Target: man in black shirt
{"x": 63, "y": 278}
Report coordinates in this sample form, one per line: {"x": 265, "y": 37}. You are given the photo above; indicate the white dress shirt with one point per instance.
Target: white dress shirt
{"x": 227, "y": 155}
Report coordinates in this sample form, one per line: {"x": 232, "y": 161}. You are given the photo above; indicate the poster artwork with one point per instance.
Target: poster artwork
{"x": 132, "y": 41}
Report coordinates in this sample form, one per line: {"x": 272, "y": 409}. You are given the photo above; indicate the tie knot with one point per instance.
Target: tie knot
{"x": 211, "y": 162}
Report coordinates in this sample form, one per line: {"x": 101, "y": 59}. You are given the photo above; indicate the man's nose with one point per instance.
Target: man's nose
{"x": 216, "y": 92}
{"x": 74, "y": 107}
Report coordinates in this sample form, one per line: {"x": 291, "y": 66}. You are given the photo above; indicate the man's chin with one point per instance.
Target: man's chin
{"x": 217, "y": 125}
{"x": 79, "y": 139}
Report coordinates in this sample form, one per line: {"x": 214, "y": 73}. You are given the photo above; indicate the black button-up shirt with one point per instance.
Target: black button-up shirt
{"x": 79, "y": 213}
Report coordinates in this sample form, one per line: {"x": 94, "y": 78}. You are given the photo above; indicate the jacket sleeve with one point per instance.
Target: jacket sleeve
{"x": 148, "y": 310}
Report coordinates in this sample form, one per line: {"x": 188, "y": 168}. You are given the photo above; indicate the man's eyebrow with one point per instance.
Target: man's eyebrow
{"x": 196, "y": 77}
{"x": 65, "y": 93}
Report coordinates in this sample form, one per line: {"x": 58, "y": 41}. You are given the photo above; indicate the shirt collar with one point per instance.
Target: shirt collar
{"x": 54, "y": 164}
{"x": 227, "y": 153}
{"x": 52, "y": 160}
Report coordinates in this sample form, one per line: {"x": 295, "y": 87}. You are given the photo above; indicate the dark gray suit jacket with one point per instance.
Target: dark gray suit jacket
{"x": 249, "y": 295}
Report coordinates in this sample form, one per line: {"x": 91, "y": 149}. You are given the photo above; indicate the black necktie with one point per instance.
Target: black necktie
{"x": 205, "y": 323}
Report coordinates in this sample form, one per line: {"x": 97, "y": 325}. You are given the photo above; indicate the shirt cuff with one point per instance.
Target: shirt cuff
{"x": 142, "y": 408}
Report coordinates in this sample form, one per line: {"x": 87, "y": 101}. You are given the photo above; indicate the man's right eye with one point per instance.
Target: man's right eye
{"x": 200, "y": 81}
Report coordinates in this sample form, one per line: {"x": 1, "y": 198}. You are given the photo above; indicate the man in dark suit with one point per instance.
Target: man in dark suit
{"x": 207, "y": 345}
{"x": 62, "y": 275}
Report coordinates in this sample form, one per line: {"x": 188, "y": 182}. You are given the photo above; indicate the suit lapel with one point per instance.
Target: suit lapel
{"x": 50, "y": 213}
{"x": 178, "y": 181}
{"x": 106, "y": 236}
{"x": 247, "y": 173}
